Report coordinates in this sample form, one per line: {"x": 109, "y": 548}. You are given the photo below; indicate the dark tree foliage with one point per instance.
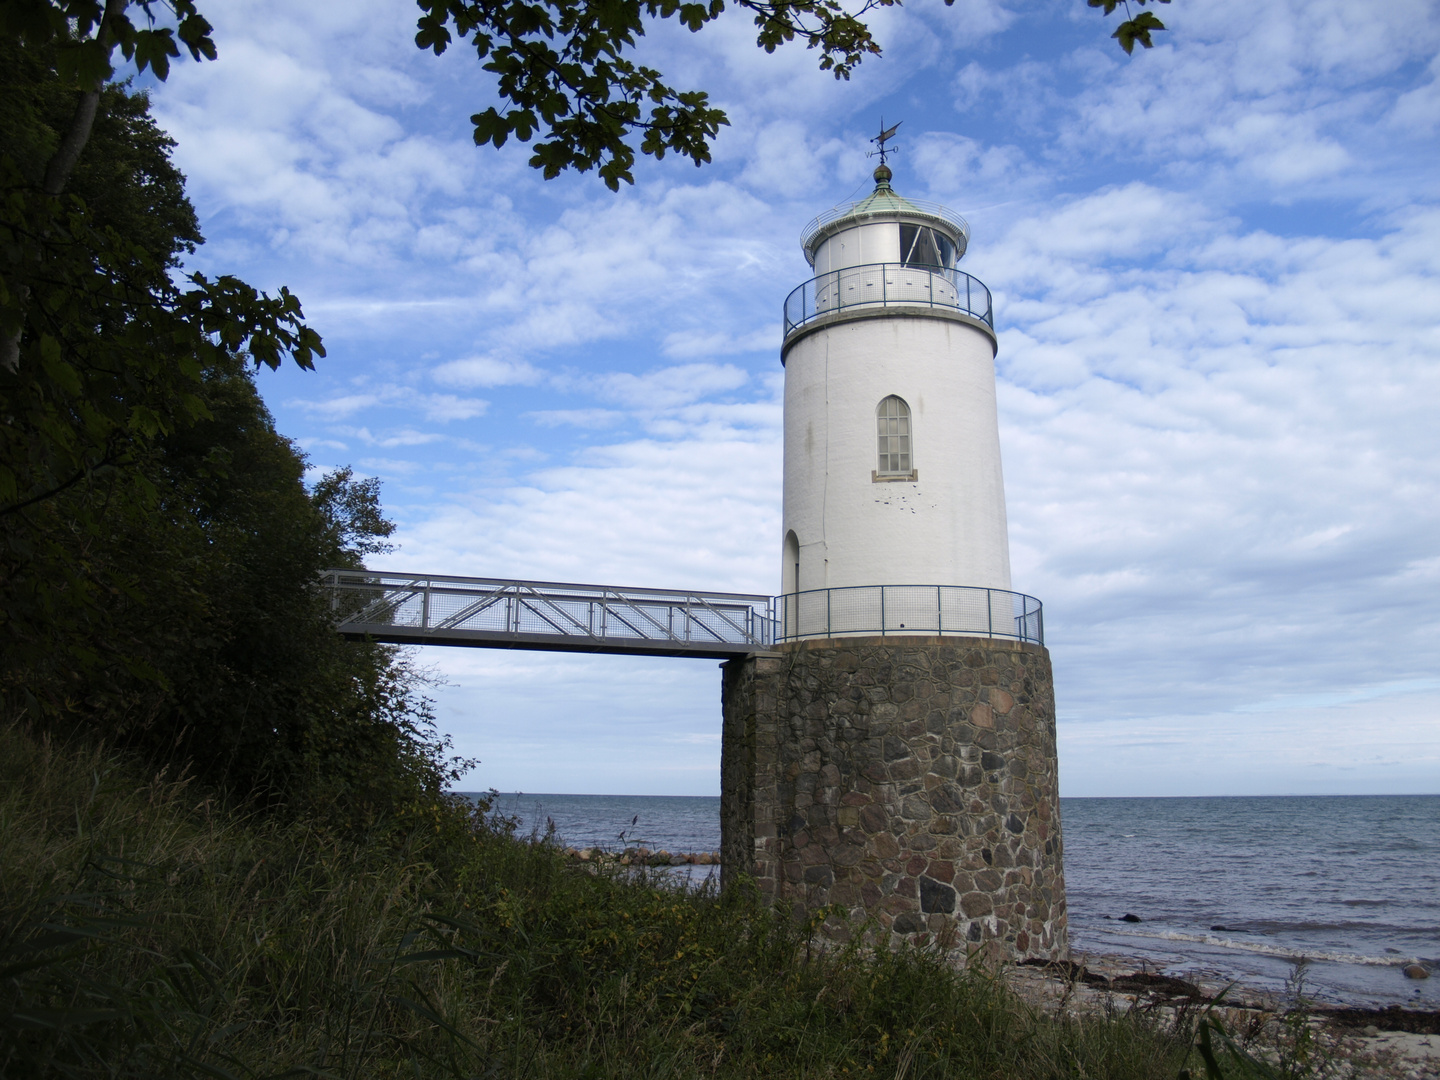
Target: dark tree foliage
{"x": 159, "y": 552}
{"x": 565, "y": 76}
{"x": 353, "y": 522}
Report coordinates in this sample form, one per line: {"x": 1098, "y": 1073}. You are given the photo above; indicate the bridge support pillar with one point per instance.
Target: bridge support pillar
{"x": 911, "y": 780}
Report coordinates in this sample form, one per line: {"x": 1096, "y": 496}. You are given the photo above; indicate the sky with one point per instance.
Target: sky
{"x": 1216, "y": 271}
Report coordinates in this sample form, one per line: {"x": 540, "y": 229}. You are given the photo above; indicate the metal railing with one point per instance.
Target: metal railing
{"x": 909, "y": 609}
{"x": 910, "y": 206}
{"x": 888, "y": 284}
{"x": 413, "y": 609}
{"x": 428, "y": 609}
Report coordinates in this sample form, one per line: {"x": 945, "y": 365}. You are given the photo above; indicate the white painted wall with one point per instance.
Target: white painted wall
{"x": 946, "y": 528}
{"x": 878, "y": 242}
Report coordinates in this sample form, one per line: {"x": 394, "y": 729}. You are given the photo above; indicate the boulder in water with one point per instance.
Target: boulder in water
{"x": 1128, "y": 917}
{"x": 1415, "y": 971}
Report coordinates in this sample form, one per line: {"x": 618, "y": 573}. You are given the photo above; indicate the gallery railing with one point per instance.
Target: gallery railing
{"x": 909, "y": 609}
{"x": 888, "y": 285}
{"x": 428, "y": 609}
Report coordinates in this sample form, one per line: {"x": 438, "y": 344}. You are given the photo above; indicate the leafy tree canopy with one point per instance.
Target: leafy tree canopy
{"x": 159, "y": 552}
{"x": 564, "y": 75}
{"x": 565, "y": 71}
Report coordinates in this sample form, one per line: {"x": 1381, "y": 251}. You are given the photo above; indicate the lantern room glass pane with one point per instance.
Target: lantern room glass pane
{"x": 921, "y": 245}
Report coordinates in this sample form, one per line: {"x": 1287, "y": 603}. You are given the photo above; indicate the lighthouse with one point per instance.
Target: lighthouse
{"x": 892, "y": 448}
{"x": 894, "y": 503}
{"x": 894, "y": 757}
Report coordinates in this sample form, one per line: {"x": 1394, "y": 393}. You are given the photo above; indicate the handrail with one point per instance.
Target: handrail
{"x": 434, "y": 609}
{"x": 887, "y": 285}
{"x": 961, "y": 610}
{"x": 447, "y": 610}
{"x": 844, "y": 210}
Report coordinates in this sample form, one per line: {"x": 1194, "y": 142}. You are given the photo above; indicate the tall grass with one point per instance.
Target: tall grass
{"x": 145, "y": 931}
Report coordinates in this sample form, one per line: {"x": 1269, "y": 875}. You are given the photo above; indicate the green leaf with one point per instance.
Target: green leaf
{"x": 1137, "y": 29}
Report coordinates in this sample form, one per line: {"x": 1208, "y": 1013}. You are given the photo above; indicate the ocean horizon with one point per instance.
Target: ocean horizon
{"x": 1235, "y": 887}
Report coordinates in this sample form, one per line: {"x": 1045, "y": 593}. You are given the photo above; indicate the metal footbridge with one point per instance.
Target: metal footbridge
{"x": 409, "y": 609}
{"x": 430, "y": 609}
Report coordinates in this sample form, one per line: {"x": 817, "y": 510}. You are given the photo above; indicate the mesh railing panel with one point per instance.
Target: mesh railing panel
{"x": 909, "y": 609}
{"x": 881, "y": 284}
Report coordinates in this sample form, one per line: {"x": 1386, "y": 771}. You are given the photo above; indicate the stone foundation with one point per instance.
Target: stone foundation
{"x": 911, "y": 780}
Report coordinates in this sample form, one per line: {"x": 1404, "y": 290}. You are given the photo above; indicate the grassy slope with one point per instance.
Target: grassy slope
{"x": 146, "y": 932}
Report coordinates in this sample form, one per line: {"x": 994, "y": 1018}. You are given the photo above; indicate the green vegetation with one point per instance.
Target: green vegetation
{"x": 159, "y": 550}
{"x": 147, "y": 931}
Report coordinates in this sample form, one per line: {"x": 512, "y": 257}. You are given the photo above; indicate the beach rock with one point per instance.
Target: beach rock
{"x": 1128, "y": 917}
{"x": 1415, "y": 971}
{"x": 1165, "y": 985}
{"x": 1223, "y": 928}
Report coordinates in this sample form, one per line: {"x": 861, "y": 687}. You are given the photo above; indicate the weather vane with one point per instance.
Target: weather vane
{"x": 885, "y": 135}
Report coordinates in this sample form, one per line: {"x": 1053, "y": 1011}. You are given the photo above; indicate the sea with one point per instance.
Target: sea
{"x": 1339, "y": 892}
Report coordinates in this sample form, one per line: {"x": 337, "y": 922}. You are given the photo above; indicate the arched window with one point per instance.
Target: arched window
{"x": 896, "y": 458}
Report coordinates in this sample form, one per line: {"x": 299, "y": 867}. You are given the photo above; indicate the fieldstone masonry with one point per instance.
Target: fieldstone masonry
{"x": 908, "y": 779}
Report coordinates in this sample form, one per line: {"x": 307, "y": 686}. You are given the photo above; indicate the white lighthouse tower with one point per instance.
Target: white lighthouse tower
{"x": 892, "y": 449}
{"x": 893, "y": 757}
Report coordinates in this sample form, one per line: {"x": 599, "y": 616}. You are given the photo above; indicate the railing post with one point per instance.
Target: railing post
{"x": 939, "y": 611}
{"x": 989, "y": 613}
{"x": 425, "y": 608}
{"x": 882, "y": 610}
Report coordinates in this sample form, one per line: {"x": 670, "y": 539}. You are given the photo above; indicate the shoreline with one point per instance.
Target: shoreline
{"x": 1387, "y": 1043}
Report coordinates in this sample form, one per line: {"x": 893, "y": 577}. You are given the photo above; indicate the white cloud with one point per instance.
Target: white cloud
{"x": 664, "y": 388}
{"x": 1205, "y": 462}
{"x": 438, "y": 408}
{"x": 487, "y": 371}
{"x": 583, "y": 418}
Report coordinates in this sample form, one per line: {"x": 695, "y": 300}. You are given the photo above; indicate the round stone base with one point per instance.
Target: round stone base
{"x": 910, "y": 780}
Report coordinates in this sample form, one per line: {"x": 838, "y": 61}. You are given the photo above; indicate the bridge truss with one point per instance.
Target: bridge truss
{"x": 413, "y": 609}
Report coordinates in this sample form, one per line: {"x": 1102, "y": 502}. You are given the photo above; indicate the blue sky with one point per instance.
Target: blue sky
{"x": 1216, "y": 269}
